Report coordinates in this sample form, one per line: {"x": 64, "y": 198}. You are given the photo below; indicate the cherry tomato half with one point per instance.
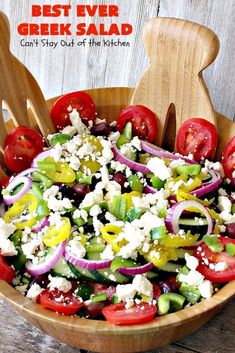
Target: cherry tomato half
{"x": 197, "y": 136}
{"x": 228, "y": 158}
{"x": 144, "y": 122}
{"x": 140, "y": 313}
{"x": 62, "y": 303}
{"x": 216, "y": 276}
{"x": 21, "y": 146}
{"x": 80, "y": 101}
{"x": 6, "y": 272}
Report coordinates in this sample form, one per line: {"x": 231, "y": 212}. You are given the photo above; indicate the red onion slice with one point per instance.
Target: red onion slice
{"x": 27, "y": 172}
{"x": 84, "y": 263}
{"x": 41, "y": 224}
{"x": 10, "y": 199}
{"x": 174, "y": 213}
{"x": 136, "y": 270}
{"x": 209, "y": 186}
{"x": 40, "y": 157}
{"x": 159, "y": 152}
{"x": 129, "y": 163}
{"x": 50, "y": 261}
{"x": 149, "y": 189}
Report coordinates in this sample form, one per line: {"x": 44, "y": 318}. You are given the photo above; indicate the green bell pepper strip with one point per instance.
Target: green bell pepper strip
{"x": 189, "y": 169}
{"x": 119, "y": 207}
{"x": 126, "y": 136}
{"x": 135, "y": 183}
{"x": 191, "y": 294}
{"x": 42, "y": 210}
{"x": 157, "y": 183}
{"x": 94, "y": 248}
{"x": 230, "y": 249}
{"x": 170, "y": 302}
{"x": 81, "y": 179}
{"x": 120, "y": 262}
{"x": 99, "y": 298}
{"x": 47, "y": 166}
{"x": 60, "y": 139}
{"x": 158, "y": 233}
{"x": 213, "y": 243}
{"x": 133, "y": 213}
{"x": 36, "y": 191}
{"x": 42, "y": 178}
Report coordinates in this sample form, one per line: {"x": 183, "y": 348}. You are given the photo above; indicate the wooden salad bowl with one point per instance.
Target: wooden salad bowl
{"x": 17, "y": 86}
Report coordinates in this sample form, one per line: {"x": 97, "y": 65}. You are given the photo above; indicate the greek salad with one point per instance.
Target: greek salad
{"x": 103, "y": 224}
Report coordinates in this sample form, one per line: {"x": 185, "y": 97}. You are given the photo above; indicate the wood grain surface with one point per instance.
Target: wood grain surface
{"x": 62, "y": 69}
{"x": 18, "y": 336}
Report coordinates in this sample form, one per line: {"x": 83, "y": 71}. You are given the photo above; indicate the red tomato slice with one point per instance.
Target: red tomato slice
{"x": 80, "y": 101}
{"x": 5, "y": 181}
{"x": 6, "y": 272}
{"x": 216, "y": 276}
{"x": 62, "y": 303}
{"x": 228, "y": 158}
{"x": 21, "y": 146}
{"x": 197, "y": 136}
{"x": 144, "y": 122}
{"x": 140, "y": 313}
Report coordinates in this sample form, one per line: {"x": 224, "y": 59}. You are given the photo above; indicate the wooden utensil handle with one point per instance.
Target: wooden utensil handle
{"x": 179, "y": 51}
{"x": 18, "y": 87}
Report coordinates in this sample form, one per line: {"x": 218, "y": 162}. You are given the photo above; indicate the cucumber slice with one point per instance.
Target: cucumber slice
{"x": 171, "y": 267}
{"x": 82, "y": 273}
{"x": 195, "y": 226}
{"x": 62, "y": 269}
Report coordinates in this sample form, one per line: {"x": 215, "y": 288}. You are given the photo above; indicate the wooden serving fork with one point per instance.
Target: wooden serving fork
{"x": 179, "y": 51}
{"x": 18, "y": 88}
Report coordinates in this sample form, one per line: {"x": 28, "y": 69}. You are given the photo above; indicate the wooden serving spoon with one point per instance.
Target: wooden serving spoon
{"x": 19, "y": 88}
{"x": 179, "y": 51}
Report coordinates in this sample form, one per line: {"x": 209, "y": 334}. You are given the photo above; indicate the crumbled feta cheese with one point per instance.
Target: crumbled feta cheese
{"x": 104, "y": 174}
{"x": 56, "y": 152}
{"x": 220, "y": 266}
{"x": 109, "y": 217}
{"x": 158, "y": 167}
{"x": 77, "y": 122}
{"x": 143, "y": 286}
{"x": 6, "y": 229}
{"x": 129, "y": 303}
{"x": 206, "y": 289}
{"x": 108, "y": 253}
{"x": 95, "y": 210}
{"x": 77, "y": 248}
{"x": 125, "y": 292}
{"x": 74, "y": 163}
{"x": 34, "y": 291}
{"x": 217, "y": 166}
{"x": 113, "y": 137}
{"x": 30, "y": 248}
{"x": 97, "y": 226}
{"x": 80, "y": 214}
{"x": 113, "y": 188}
{"x": 191, "y": 262}
{"x": 224, "y": 204}
{"x": 176, "y": 162}
{"x": 69, "y": 130}
{"x": 193, "y": 278}
{"x": 92, "y": 198}
{"x": 51, "y": 192}
{"x": 136, "y": 143}
{"x": 7, "y": 247}
{"x": 60, "y": 283}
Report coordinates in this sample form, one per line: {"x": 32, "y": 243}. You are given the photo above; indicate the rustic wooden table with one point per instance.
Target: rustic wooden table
{"x": 19, "y": 336}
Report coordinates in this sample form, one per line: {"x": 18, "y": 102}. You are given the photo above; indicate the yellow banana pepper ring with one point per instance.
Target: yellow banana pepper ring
{"x": 195, "y": 184}
{"x": 182, "y": 196}
{"x": 160, "y": 255}
{"x": 62, "y": 172}
{"x": 128, "y": 197}
{"x": 178, "y": 241}
{"x": 109, "y": 233}
{"x": 94, "y": 166}
{"x": 22, "y": 210}
{"x": 55, "y": 234}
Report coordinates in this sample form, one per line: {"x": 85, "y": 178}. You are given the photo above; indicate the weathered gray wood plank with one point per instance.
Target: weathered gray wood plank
{"x": 62, "y": 69}
{"x": 18, "y": 336}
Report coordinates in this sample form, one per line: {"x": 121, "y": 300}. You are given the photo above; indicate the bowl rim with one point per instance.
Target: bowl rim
{"x": 25, "y": 306}
{"x": 35, "y": 311}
